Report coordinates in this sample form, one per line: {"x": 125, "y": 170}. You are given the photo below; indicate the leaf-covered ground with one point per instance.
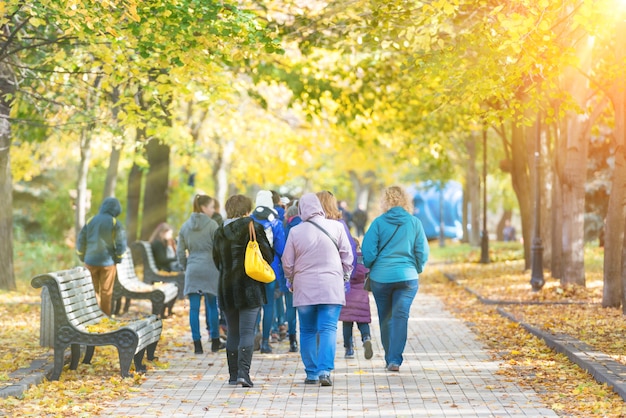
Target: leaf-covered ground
{"x": 561, "y": 384}
{"x": 565, "y": 387}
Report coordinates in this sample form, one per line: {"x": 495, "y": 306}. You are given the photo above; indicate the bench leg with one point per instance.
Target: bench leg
{"x": 75, "y": 348}
{"x": 150, "y": 351}
{"x": 139, "y": 366}
{"x": 117, "y": 303}
{"x": 170, "y": 307}
{"x": 88, "y": 354}
{"x": 126, "y": 305}
{"x": 126, "y": 358}
{"x": 59, "y": 360}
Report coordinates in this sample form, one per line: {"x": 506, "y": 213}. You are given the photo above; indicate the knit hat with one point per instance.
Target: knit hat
{"x": 264, "y": 198}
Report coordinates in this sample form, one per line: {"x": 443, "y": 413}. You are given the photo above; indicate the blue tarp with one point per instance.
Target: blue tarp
{"x": 427, "y": 201}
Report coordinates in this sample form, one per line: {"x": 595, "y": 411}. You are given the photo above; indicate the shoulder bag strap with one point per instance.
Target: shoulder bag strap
{"x": 326, "y": 232}
{"x": 383, "y": 247}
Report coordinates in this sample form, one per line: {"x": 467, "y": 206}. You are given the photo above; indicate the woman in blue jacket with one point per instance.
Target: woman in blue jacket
{"x": 395, "y": 249}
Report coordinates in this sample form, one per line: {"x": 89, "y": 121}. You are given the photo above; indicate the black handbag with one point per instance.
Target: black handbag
{"x": 366, "y": 284}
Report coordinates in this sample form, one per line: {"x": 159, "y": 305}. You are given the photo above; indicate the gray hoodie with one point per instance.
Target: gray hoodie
{"x": 195, "y": 254}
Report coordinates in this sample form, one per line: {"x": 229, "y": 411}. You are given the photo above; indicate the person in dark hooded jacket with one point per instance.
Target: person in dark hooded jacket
{"x": 101, "y": 245}
{"x": 240, "y": 296}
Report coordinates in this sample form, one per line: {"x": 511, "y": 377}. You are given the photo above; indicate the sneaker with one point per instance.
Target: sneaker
{"x": 367, "y": 345}
{"x": 392, "y": 367}
{"x": 349, "y": 353}
{"x": 325, "y": 380}
{"x": 308, "y": 381}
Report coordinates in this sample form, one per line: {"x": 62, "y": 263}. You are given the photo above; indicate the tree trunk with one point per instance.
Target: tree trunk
{"x": 547, "y": 204}
{"x": 133, "y": 201}
{"x": 7, "y": 91}
{"x": 473, "y": 190}
{"x": 155, "y": 194}
{"x": 520, "y": 179}
{"x": 81, "y": 184}
{"x": 221, "y": 167}
{"x": 556, "y": 265}
{"x": 133, "y": 193}
{"x": 614, "y": 257}
{"x": 573, "y": 194}
{"x": 116, "y": 152}
{"x": 111, "y": 179}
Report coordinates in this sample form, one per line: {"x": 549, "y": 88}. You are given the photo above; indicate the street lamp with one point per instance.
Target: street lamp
{"x": 484, "y": 239}
{"x": 536, "y": 275}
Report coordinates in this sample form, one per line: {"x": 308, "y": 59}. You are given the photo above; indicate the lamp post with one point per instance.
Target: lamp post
{"x": 484, "y": 239}
{"x": 536, "y": 275}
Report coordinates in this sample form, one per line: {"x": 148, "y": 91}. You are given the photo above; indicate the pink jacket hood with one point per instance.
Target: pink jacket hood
{"x": 311, "y": 260}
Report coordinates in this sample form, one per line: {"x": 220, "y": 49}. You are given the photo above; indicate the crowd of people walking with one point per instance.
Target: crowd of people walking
{"x": 320, "y": 269}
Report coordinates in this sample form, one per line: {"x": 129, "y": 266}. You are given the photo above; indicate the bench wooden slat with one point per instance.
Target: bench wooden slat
{"x": 128, "y": 285}
{"x": 75, "y": 307}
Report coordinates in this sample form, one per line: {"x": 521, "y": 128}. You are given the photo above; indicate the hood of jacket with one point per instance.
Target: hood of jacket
{"x": 310, "y": 207}
{"x": 397, "y": 216}
{"x": 111, "y": 206}
{"x": 237, "y": 230}
{"x": 264, "y": 213}
{"x": 199, "y": 221}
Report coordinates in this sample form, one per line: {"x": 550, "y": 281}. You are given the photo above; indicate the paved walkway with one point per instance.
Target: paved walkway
{"x": 445, "y": 373}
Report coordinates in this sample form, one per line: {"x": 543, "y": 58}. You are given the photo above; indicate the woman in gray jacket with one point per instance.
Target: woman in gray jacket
{"x": 195, "y": 255}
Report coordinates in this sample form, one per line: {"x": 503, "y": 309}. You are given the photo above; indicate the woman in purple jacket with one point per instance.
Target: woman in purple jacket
{"x": 316, "y": 258}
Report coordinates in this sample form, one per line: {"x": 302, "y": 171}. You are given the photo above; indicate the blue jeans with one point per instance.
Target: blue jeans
{"x": 364, "y": 328}
{"x": 318, "y": 338}
{"x": 268, "y": 310}
{"x": 212, "y": 316}
{"x": 290, "y": 313}
{"x": 279, "y": 312}
{"x": 393, "y": 301}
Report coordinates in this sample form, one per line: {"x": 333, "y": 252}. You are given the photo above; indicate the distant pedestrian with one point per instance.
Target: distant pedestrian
{"x": 316, "y": 257}
{"x": 395, "y": 249}
{"x": 164, "y": 248}
{"x": 195, "y": 255}
{"x": 101, "y": 245}
{"x": 292, "y": 219}
{"x": 508, "y": 232}
{"x": 265, "y": 214}
{"x": 359, "y": 219}
{"x": 240, "y": 297}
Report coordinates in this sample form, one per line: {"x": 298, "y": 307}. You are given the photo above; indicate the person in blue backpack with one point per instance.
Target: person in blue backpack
{"x": 265, "y": 214}
{"x": 101, "y": 245}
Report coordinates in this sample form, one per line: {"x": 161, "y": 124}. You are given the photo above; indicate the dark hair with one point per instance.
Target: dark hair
{"x": 237, "y": 206}
{"x": 275, "y": 197}
{"x": 201, "y": 200}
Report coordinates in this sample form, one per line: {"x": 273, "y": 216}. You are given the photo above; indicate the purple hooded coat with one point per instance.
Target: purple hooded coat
{"x": 357, "y": 307}
{"x": 311, "y": 260}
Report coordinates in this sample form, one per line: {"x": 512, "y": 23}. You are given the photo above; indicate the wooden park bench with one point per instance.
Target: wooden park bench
{"x": 151, "y": 273}
{"x": 128, "y": 286}
{"x": 76, "y": 309}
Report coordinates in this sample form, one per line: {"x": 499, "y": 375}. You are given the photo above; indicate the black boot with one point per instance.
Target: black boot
{"x": 243, "y": 372}
{"x": 293, "y": 343}
{"x": 233, "y": 366}
{"x": 197, "y": 345}
{"x": 216, "y": 345}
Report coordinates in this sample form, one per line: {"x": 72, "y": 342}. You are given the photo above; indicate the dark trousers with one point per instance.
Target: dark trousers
{"x": 241, "y": 327}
